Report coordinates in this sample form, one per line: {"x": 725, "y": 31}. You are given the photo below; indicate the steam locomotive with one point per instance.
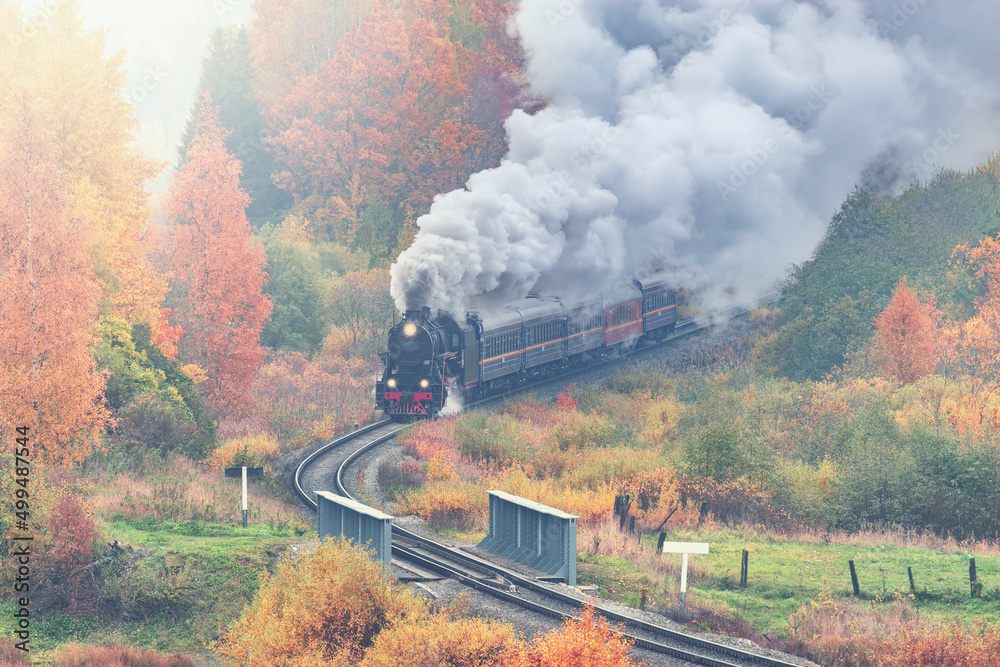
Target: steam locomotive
{"x": 430, "y": 356}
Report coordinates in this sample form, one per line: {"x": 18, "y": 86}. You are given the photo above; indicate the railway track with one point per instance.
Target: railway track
{"x": 328, "y": 466}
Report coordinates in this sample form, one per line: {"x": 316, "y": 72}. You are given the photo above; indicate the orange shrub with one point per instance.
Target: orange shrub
{"x": 953, "y": 646}
{"x": 431, "y": 439}
{"x": 434, "y": 640}
{"x": 584, "y": 642}
{"x": 11, "y": 656}
{"x": 588, "y": 504}
{"x": 326, "y": 607}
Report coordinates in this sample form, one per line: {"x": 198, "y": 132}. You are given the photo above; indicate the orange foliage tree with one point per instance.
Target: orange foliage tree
{"x": 907, "y": 342}
{"x": 980, "y": 335}
{"x": 79, "y": 92}
{"x": 48, "y": 300}
{"x": 218, "y": 269}
{"x": 584, "y": 642}
{"x": 292, "y": 38}
{"x": 383, "y": 116}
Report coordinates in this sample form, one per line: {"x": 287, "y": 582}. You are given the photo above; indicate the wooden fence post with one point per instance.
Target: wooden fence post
{"x": 854, "y": 579}
{"x": 909, "y": 571}
{"x": 975, "y": 585}
{"x": 659, "y": 543}
{"x": 744, "y": 562}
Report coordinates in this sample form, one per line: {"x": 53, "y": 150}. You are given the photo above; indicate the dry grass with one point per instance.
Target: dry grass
{"x": 76, "y": 655}
{"x": 183, "y": 491}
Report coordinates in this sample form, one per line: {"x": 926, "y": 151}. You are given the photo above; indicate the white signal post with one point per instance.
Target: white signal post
{"x": 244, "y": 472}
{"x": 245, "y": 507}
{"x": 685, "y": 548}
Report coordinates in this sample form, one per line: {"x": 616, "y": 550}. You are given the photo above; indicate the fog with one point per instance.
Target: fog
{"x": 164, "y": 44}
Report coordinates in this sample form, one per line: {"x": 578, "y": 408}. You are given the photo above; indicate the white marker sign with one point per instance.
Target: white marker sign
{"x": 685, "y": 548}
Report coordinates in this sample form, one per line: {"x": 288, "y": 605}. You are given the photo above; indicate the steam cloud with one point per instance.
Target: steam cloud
{"x": 710, "y": 139}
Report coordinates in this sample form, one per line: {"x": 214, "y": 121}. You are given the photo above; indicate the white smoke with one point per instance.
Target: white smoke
{"x": 712, "y": 139}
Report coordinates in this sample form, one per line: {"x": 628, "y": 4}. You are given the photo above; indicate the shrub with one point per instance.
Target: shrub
{"x": 953, "y": 646}
{"x": 436, "y": 640}
{"x": 325, "y": 607}
{"x": 150, "y": 423}
{"x": 735, "y": 501}
{"x": 489, "y": 439}
{"x": 584, "y": 642}
{"x": 446, "y": 504}
{"x": 68, "y": 547}
{"x": 254, "y": 450}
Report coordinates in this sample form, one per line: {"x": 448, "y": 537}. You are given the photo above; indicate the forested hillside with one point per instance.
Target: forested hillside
{"x": 829, "y": 303}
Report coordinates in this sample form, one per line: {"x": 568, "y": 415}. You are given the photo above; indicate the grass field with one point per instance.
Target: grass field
{"x": 787, "y": 574}
{"x": 181, "y": 583}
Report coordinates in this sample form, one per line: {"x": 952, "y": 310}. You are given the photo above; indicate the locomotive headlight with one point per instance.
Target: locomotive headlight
{"x": 409, "y": 329}
{"x": 391, "y": 383}
{"x": 424, "y": 384}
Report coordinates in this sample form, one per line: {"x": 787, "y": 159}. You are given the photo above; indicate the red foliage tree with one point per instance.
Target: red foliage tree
{"x": 218, "y": 268}
{"x": 907, "y": 336}
{"x": 384, "y": 115}
{"x": 72, "y": 532}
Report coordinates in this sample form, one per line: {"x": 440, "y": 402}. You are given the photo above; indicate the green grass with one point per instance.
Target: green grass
{"x": 786, "y": 574}
{"x": 190, "y": 580}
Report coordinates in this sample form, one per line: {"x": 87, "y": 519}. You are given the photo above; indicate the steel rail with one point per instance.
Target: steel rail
{"x": 406, "y": 553}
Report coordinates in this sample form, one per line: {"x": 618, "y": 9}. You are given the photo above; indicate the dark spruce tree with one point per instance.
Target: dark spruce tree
{"x": 227, "y": 76}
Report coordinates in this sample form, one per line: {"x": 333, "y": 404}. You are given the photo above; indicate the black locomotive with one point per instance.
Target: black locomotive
{"x": 430, "y": 356}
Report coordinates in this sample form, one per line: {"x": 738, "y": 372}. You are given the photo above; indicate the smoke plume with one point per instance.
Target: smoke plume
{"x": 710, "y": 139}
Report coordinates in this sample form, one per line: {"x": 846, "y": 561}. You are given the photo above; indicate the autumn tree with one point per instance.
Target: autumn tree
{"x": 218, "y": 268}
{"x": 382, "y": 118}
{"x": 907, "y": 341}
{"x": 362, "y": 309}
{"x": 293, "y": 38}
{"x": 80, "y": 106}
{"x": 227, "y": 76}
{"x": 49, "y": 297}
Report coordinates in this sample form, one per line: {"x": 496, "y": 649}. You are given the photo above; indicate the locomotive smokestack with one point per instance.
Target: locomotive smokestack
{"x": 423, "y": 313}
